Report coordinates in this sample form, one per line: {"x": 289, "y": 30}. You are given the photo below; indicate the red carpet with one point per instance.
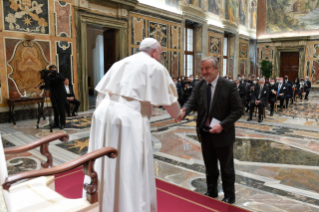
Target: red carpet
{"x": 170, "y": 198}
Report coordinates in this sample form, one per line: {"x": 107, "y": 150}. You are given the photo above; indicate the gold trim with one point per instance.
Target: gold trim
{"x": 67, "y": 174}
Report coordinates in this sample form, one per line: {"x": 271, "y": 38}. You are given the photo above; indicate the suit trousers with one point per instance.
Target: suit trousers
{"x": 282, "y": 99}
{"x": 225, "y": 156}
{"x": 260, "y": 110}
{"x": 59, "y": 113}
{"x": 272, "y": 105}
{"x": 307, "y": 93}
{"x": 76, "y": 106}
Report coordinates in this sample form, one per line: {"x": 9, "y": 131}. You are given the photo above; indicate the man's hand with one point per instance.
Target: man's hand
{"x": 274, "y": 92}
{"x": 281, "y": 94}
{"x": 257, "y": 102}
{"x": 216, "y": 129}
{"x": 181, "y": 115}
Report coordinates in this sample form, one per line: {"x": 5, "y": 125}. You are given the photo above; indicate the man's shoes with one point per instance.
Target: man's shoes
{"x": 271, "y": 114}
{"x": 249, "y": 119}
{"x": 55, "y": 125}
{"x": 214, "y": 195}
{"x": 229, "y": 200}
{"x": 73, "y": 114}
{"x": 260, "y": 120}
{"x": 69, "y": 115}
{"x": 62, "y": 127}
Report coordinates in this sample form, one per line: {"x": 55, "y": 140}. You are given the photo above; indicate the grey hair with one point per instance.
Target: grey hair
{"x": 214, "y": 60}
{"x": 262, "y": 79}
{"x": 150, "y": 48}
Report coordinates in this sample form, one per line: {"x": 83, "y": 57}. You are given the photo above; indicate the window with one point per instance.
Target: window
{"x": 189, "y": 51}
{"x": 225, "y": 55}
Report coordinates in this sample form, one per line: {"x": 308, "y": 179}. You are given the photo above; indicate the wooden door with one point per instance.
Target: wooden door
{"x": 289, "y": 65}
{"x": 109, "y": 49}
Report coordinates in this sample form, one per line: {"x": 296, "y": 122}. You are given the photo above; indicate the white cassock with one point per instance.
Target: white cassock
{"x": 126, "y": 96}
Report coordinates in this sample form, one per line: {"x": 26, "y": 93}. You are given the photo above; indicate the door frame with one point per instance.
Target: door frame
{"x": 277, "y": 59}
{"x": 83, "y": 18}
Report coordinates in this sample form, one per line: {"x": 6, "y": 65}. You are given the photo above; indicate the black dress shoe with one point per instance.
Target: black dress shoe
{"x": 249, "y": 119}
{"x": 62, "y": 127}
{"x": 55, "y": 126}
{"x": 260, "y": 120}
{"x": 229, "y": 200}
{"x": 214, "y": 195}
{"x": 73, "y": 114}
{"x": 271, "y": 114}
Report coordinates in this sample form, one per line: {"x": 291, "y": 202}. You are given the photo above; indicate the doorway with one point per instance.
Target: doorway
{"x": 289, "y": 64}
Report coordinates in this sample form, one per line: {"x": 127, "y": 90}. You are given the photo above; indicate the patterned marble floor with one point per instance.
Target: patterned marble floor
{"x": 277, "y": 166}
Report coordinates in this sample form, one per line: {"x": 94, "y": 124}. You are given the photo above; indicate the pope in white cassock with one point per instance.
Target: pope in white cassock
{"x": 126, "y": 96}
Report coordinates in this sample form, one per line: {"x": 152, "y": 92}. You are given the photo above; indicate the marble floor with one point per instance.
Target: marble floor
{"x": 276, "y": 161}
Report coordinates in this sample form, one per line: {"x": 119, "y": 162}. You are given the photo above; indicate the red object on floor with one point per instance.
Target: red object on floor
{"x": 170, "y": 198}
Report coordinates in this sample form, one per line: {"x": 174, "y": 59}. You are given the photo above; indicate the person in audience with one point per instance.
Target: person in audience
{"x": 216, "y": 140}
{"x": 237, "y": 84}
{"x": 307, "y": 87}
{"x": 70, "y": 98}
{"x": 259, "y": 99}
{"x": 277, "y": 80}
{"x": 302, "y": 87}
{"x": 289, "y": 94}
{"x": 122, "y": 120}
{"x": 178, "y": 87}
{"x": 242, "y": 91}
{"x": 281, "y": 92}
{"x": 238, "y": 78}
{"x": 296, "y": 87}
{"x": 242, "y": 79}
{"x": 287, "y": 80}
{"x": 187, "y": 91}
{"x": 248, "y": 89}
{"x": 273, "y": 89}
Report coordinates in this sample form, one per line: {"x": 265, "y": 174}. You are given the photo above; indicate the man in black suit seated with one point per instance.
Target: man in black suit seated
{"x": 216, "y": 98}
{"x": 70, "y": 98}
{"x": 307, "y": 87}
{"x": 242, "y": 91}
{"x": 273, "y": 88}
{"x": 248, "y": 89}
{"x": 281, "y": 92}
{"x": 259, "y": 99}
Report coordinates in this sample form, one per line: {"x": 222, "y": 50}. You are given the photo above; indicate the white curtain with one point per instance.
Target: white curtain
{"x": 98, "y": 60}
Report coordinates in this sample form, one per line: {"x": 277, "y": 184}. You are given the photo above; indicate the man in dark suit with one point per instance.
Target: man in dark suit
{"x": 287, "y": 80}
{"x": 70, "y": 98}
{"x": 242, "y": 91}
{"x": 307, "y": 87}
{"x": 57, "y": 96}
{"x": 248, "y": 90}
{"x": 273, "y": 88}
{"x": 259, "y": 99}
{"x": 289, "y": 94}
{"x": 281, "y": 92}
{"x": 216, "y": 98}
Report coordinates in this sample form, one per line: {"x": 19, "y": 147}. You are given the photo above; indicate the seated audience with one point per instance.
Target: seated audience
{"x": 259, "y": 99}
{"x": 70, "y": 98}
{"x": 307, "y": 87}
{"x": 272, "y": 97}
{"x": 282, "y": 92}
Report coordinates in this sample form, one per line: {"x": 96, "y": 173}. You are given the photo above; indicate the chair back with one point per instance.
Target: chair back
{"x": 3, "y": 176}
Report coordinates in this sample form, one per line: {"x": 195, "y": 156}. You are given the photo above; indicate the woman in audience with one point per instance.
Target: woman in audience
{"x": 296, "y": 86}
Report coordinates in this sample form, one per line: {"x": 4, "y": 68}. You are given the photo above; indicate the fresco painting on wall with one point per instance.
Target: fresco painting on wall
{"x": 138, "y": 30}
{"x": 230, "y": 10}
{"x": 215, "y": 45}
{"x": 214, "y": 6}
{"x": 172, "y": 3}
{"x": 198, "y": 37}
{"x": 266, "y": 52}
{"x": 175, "y": 63}
{"x": 26, "y": 16}
{"x": 24, "y": 65}
{"x": 315, "y": 72}
{"x": 253, "y": 14}
{"x": 292, "y": 15}
{"x": 164, "y": 59}
{"x": 316, "y": 51}
{"x": 243, "y": 50}
{"x": 159, "y": 32}
{"x": 175, "y": 37}
{"x": 64, "y": 59}
{"x": 242, "y": 12}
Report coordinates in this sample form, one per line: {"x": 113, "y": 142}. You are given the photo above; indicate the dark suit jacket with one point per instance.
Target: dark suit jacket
{"x": 57, "y": 88}
{"x": 71, "y": 94}
{"x": 308, "y": 83}
{"x": 289, "y": 90}
{"x": 226, "y": 106}
{"x": 273, "y": 97}
{"x": 283, "y": 90}
{"x": 263, "y": 95}
{"x": 242, "y": 89}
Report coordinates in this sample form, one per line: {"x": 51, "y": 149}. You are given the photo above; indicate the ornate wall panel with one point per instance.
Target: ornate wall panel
{"x": 315, "y": 72}
{"x": 242, "y": 67}
{"x": 23, "y": 65}
{"x": 215, "y": 45}
{"x": 267, "y": 52}
{"x": 308, "y": 68}
{"x": 63, "y": 19}
{"x": 243, "y": 49}
{"x": 64, "y": 59}
{"x": 26, "y": 16}
{"x": 316, "y": 51}
{"x": 138, "y": 30}
{"x": 175, "y": 37}
{"x": 159, "y": 32}
{"x": 198, "y": 39}
{"x": 175, "y": 63}
{"x": 165, "y": 59}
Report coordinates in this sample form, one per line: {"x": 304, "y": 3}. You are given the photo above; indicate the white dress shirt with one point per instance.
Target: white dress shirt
{"x": 67, "y": 88}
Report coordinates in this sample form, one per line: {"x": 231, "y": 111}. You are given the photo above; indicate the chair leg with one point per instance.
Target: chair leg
{"x": 264, "y": 112}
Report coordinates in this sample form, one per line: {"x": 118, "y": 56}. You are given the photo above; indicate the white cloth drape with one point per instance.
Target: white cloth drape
{"x": 98, "y": 60}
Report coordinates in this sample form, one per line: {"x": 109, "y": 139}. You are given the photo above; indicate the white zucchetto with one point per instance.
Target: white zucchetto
{"x": 147, "y": 42}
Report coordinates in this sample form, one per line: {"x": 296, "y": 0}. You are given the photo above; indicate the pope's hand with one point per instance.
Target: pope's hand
{"x": 216, "y": 129}
{"x": 181, "y": 115}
